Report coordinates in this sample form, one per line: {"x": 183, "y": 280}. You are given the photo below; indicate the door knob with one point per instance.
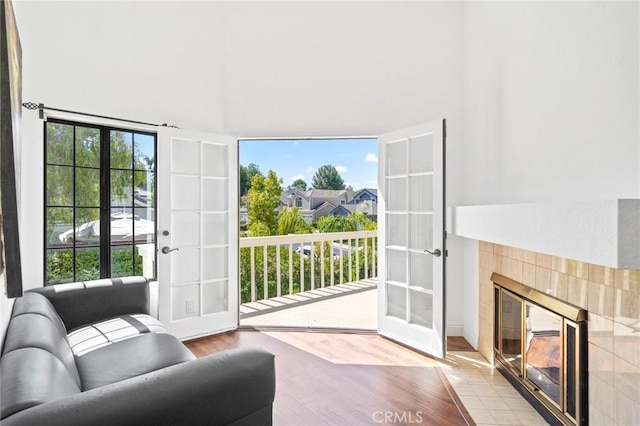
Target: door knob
{"x": 436, "y": 252}
{"x": 167, "y": 250}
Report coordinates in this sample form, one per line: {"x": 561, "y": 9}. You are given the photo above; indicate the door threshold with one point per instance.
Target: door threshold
{"x": 335, "y": 330}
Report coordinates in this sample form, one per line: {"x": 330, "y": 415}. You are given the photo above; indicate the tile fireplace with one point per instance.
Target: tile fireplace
{"x": 609, "y": 297}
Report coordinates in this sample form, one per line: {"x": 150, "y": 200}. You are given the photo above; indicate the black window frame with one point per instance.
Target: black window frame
{"x": 105, "y": 207}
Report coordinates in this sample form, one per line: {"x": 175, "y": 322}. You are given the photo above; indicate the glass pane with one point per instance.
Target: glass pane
{"x": 59, "y": 186}
{"x": 396, "y": 302}
{"x": 185, "y": 229}
{"x": 421, "y": 190}
{"x": 512, "y": 330}
{"x": 59, "y": 224}
{"x": 59, "y": 144}
{"x": 215, "y": 195}
{"x": 121, "y": 188}
{"x": 185, "y": 156}
{"x": 215, "y": 297}
{"x": 421, "y": 231}
{"x": 421, "y": 312}
{"x": 185, "y": 265}
{"x": 185, "y": 301}
{"x": 59, "y": 265}
{"x": 144, "y": 226}
{"x": 122, "y": 226}
{"x": 543, "y": 351}
{"x": 144, "y": 151}
{"x": 215, "y": 160}
{"x": 121, "y": 146}
{"x": 421, "y": 270}
{"x": 87, "y": 227}
{"x": 214, "y": 263}
{"x": 397, "y": 230}
{"x": 143, "y": 193}
{"x": 87, "y": 187}
{"x": 88, "y": 264}
{"x": 397, "y": 266}
{"x": 185, "y": 192}
{"x": 397, "y": 158}
{"x": 215, "y": 229}
{"x": 87, "y": 147}
{"x": 122, "y": 261}
{"x": 421, "y": 154}
{"x": 397, "y": 194}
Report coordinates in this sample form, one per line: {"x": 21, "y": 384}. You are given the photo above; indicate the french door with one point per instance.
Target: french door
{"x": 197, "y": 232}
{"x": 412, "y": 252}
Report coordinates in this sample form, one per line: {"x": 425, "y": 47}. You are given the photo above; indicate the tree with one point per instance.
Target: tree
{"x": 264, "y": 196}
{"x": 290, "y": 221}
{"x": 246, "y": 175}
{"x": 300, "y": 184}
{"x": 327, "y": 177}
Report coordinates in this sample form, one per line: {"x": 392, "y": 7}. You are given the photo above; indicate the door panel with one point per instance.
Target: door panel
{"x": 198, "y": 223}
{"x": 411, "y": 202}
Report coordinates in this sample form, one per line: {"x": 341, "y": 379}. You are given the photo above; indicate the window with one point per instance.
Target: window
{"x": 99, "y": 202}
{"x": 343, "y": 202}
{"x": 299, "y": 202}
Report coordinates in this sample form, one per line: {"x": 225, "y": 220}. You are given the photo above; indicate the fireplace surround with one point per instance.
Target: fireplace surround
{"x": 611, "y": 297}
{"x": 540, "y": 346}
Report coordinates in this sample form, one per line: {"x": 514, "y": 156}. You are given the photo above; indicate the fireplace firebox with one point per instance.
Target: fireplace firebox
{"x": 540, "y": 345}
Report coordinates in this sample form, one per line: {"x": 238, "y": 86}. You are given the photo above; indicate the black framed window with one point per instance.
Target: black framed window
{"x": 100, "y": 203}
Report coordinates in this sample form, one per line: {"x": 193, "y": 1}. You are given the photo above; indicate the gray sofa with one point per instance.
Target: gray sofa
{"x": 89, "y": 354}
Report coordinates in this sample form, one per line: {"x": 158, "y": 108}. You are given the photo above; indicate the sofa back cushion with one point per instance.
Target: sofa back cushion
{"x": 37, "y": 363}
{"x": 98, "y": 300}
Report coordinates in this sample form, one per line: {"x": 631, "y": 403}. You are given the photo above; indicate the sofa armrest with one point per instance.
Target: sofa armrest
{"x": 224, "y": 388}
{"x": 90, "y": 301}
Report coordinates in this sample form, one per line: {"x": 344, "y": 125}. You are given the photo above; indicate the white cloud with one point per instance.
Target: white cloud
{"x": 341, "y": 169}
{"x": 310, "y": 169}
{"x": 371, "y": 158}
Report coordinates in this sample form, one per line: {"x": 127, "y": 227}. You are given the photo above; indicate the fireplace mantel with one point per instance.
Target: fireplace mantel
{"x": 602, "y": 232}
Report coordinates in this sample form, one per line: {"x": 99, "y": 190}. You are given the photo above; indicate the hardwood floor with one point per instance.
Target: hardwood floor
{"x": 348, "y": 379}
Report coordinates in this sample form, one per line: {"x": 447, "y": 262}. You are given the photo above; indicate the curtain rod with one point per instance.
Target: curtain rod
{"x": 41, "y": 107}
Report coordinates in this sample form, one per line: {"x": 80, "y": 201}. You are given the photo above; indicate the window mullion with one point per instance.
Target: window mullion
{"x": 105, "y": 204}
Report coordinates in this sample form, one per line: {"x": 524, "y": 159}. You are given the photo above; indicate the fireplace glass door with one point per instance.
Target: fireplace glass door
{"x": 540, "y": 344}
{"x": 544, "y": 351}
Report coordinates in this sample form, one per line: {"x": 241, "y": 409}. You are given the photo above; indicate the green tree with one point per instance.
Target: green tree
{"x": 264, "y": 196}
{"x": 300, "y": 184}
{"x": 246, "y": 175}
{"x": 290, "y": 221}
{"x": 327, "y": 177}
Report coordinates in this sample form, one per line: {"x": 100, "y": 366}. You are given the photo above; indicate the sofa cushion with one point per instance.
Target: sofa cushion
{"x": 34, "y": 303}
{"x": 99, "y": 300}
{"x": 32, "y": 376}
{"x": 37, "y": 331}
{"x": 124, "y": 347}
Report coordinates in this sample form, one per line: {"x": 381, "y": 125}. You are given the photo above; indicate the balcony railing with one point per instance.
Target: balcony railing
{"x": 287, "y": 264}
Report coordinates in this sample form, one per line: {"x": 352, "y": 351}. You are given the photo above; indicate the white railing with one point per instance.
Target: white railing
{"x": 305, "y": 261}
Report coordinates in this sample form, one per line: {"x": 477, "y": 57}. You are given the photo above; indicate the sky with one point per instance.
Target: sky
{"x": 355, "y": 159}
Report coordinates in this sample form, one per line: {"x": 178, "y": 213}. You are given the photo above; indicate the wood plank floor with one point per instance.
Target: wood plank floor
{"x": 348, "y": 379}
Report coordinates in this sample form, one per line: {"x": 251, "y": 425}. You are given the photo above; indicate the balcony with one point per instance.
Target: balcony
{"x": 311, "y": 280}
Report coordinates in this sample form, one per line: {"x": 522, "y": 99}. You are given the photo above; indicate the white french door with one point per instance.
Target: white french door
{"x": 411, "y": 237}
{"x": 197, "y": 232}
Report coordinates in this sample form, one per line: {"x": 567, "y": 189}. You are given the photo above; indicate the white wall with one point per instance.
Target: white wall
{"x": 250, "y": 69}
{"x": 551, "y": 95}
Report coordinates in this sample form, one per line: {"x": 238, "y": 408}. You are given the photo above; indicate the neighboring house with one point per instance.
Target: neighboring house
{"x": 317, "y": 203}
